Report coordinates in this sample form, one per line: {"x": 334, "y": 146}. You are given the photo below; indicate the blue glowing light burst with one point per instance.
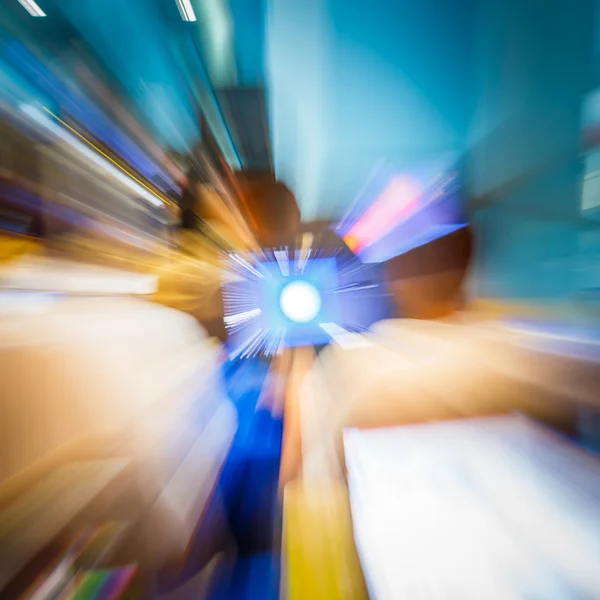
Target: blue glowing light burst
{"x": 295, "y": 302}
{"x": 286, "y": 300}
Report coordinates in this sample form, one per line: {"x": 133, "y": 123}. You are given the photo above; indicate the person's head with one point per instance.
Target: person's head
{"x": 427, "y": 282}
{"x": 273, "y": 208}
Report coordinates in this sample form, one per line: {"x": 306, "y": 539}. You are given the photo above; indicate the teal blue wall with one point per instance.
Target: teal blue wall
{"x": 534, "y": 66}
{"x": 353, "y": 82}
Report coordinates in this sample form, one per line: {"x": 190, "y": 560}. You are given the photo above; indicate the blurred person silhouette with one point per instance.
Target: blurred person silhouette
{"x": 187, "y": 203}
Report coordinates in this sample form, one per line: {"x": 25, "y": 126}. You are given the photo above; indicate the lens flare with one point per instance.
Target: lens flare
{"x": 300, "y": 301}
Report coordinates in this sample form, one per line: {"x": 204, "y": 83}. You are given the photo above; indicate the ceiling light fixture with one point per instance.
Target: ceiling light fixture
{"x": 185, "y": 7}
{"x": 32, "y": 8}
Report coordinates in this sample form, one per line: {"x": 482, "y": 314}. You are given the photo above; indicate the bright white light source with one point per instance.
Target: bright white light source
{"x": 300, "y": 301}
{"x": 32, "y": 8}
{"x": 186, "y": 10}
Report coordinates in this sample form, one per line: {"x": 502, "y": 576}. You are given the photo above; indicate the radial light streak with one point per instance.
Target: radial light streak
{"x": 245, "y": 265}
{"x": 398, "y": 201}
{"x": 242, "y": 317}
{"x": 186, "y": 10}
{"x": 283, "y": 260}
{"x": 32, "y": 8}
{"x": 346, "y": 339}
{"x": 86, "y": 150}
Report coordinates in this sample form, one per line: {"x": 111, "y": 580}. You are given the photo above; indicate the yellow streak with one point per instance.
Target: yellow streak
{"x": 114, "y": 162}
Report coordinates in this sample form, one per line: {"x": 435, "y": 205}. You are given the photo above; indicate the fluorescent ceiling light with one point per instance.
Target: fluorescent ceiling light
{"x": 32, "y": 8}
{"x": 185, "y": 7}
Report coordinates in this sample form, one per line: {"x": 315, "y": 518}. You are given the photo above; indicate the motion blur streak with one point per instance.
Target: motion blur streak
{"x": 32, "y": 8}
{"x": 45, "y": 122}
{"x": 397, "y": 200}
{"x": 186, "y": 10}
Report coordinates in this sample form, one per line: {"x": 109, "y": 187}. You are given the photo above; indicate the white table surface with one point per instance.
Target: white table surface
{"x": 476, "y": 509}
